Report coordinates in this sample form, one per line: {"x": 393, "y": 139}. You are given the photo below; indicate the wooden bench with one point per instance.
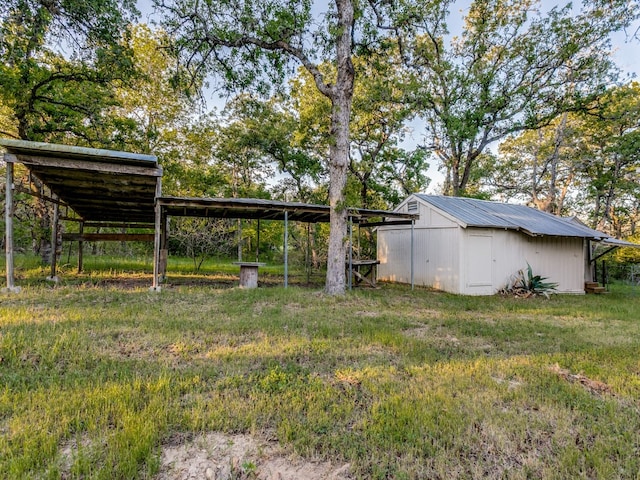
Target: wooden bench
{"x": 364, "y": 271}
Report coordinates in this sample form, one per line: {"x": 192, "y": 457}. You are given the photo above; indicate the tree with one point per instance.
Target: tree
{"x": 59, "y": 62}
{"x": 611, "y": 160}
{"x": 252, "y": 43}
{"x": 151, "y": 110}
{"x": 264, "y": 135}
{"x": 511, "y": 69}
{"x": 581, "y": 163}
{"x": 381, "y": 171}
{"x": 540, "y": 166}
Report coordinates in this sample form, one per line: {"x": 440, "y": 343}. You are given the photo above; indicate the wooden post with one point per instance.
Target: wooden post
{"x": 307, "y": 258}
{"x": 8, "y": 213}
{"x": 164, "y": 250}
{"x": 350, "y": 284}
{"x": 80, "y": 247}
{"x": 54, "y": 242}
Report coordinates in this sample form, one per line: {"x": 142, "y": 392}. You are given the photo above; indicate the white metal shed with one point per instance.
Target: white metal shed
{"x": 474, "y": 247}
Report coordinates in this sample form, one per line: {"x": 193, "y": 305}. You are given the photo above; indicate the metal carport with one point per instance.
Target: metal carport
{"x": 120, "y": 189}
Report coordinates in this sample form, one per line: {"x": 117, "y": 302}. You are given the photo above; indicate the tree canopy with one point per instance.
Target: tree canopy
{"x": 59, "y": 62}
{"x": 512, "y": 68}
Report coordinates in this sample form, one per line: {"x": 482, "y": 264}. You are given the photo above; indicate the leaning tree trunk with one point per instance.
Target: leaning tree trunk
{"x": 341, "y": 99}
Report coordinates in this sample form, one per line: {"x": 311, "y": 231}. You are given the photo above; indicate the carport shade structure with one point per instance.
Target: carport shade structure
{"x": 264, "y": 209}
{"x": 103, "y": 187}
{"x": 121, "y": 189}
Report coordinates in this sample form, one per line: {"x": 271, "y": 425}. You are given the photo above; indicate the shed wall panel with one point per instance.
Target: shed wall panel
{"x": 394, "y": 254}
{"x": 558, "y": 258}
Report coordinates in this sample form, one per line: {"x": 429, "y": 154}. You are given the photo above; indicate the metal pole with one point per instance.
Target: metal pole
{"x": 156, "y": 239}
{"x": 258, "y": 243}
{"x": 350, "y": 251}
{"x": 307, "y": 260}
{"x": 8, "y": 215}
{"x": 286, "y": 249}
{"x": 413, "y": 222}
{"x": 54, "y": 240}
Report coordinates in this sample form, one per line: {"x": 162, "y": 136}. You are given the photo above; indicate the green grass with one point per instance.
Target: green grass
{"x": 95, "y": 376}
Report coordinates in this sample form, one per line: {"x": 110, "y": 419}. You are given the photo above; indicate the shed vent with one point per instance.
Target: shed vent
{"x": 412, "y": 206}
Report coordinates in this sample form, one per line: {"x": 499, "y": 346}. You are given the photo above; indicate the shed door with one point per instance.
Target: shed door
{"x": 480, "y": 261}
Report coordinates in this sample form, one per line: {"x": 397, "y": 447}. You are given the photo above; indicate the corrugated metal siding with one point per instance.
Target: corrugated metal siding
{"x": 394, "y": 254}
{"x": 436, "y": 252}
{"x": 559, "y": 259}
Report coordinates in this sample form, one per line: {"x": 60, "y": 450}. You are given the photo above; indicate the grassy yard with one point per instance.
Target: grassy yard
{"x": 96, "y": 377}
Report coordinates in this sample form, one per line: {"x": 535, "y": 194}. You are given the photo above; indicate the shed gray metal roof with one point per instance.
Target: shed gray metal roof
{"x": 487, "y": 214}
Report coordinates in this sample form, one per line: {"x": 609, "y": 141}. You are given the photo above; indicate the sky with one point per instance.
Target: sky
{"x": 625, "y": 52}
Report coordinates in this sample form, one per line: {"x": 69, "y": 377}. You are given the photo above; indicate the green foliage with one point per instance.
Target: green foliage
{"x": 585, "y": 164}
{"x": 381, "y": 172}
{"x": 51, "y": 91}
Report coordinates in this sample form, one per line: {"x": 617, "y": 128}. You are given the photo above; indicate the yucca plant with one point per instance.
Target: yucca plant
{"x": 528, "y": 285}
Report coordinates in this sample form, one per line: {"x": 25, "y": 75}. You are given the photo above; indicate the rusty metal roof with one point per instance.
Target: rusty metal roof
{"x": 113, "y": 186}
{"x": 99, "y": 185}
{"x": 266, "y": 209}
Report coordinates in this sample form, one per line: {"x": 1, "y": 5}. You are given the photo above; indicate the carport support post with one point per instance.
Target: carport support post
{"x": 54, "y": 241}
{"x": 413, "y": 222}
{"x": 350, "y": 252}
{"x": 8, "y": 215}
{"x": 286, "y": 248}
{"x": 164, "y": 249}
{"x": 156, "y": 249}
{"x": 156, "y": 237}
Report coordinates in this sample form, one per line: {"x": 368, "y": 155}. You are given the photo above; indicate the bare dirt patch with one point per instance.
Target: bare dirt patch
{"x": 216, "y": 456}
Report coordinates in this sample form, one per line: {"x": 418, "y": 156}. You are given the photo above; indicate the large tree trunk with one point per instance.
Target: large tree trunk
{"x": 341, "y": 100}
